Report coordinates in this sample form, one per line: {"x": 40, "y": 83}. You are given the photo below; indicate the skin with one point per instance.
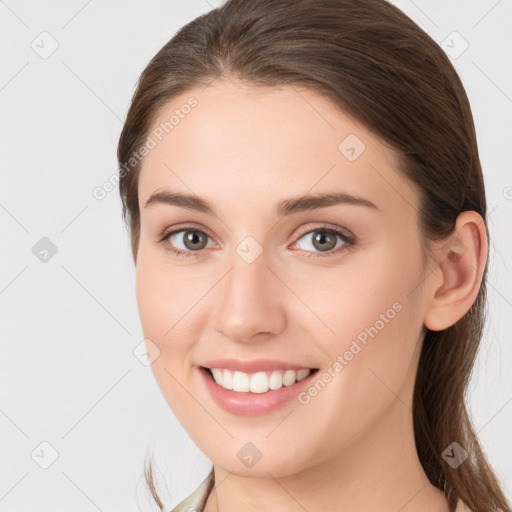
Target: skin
{"x": 243, "y": 150}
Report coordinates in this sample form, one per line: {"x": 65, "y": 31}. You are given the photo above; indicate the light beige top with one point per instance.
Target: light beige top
{"x": 196, "y": 501}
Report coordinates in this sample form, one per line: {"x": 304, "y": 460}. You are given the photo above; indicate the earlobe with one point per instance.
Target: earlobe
{"x": 460, "y": 264}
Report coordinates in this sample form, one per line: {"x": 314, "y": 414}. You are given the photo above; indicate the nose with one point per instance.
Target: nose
{"x": 251, "y": 302}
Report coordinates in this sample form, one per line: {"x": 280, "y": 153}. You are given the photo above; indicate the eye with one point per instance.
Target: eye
{"x": 185, "y": 241}
{"x": 324, "y": 240}
{"x": 321, "y": 242}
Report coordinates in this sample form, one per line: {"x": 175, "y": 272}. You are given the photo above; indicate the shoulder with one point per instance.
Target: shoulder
{"x": 196, "y": 501}
{"x": 462, "y": 507}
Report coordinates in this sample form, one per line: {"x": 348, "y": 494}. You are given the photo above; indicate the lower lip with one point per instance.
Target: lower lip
{"x": 252, "y": 404}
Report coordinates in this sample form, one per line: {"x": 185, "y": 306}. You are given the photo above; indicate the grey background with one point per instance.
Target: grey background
{"x": 68, "y": 374}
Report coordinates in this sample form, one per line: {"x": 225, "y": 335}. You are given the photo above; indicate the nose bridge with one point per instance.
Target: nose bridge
{"x": 249, "y": 302}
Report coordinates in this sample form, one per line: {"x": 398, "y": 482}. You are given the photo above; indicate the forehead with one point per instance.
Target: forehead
{"x": 229, "y": 140}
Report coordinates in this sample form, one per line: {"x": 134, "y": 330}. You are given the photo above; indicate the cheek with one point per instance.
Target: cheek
{"x": 360, "y": 299}
{"x": 378, "y": 326}
{"x": 150, "y": 299}
{"x": 369, "y": 366}
{"x": 371, "y": 313}
{"x": 163, "y": 300}
{"x": 163, "y": 304}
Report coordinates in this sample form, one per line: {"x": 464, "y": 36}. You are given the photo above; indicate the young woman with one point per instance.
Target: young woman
{"x": 307, "y": 213}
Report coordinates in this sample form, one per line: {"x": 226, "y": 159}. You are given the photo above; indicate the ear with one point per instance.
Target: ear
{"x": 460, "y": 262}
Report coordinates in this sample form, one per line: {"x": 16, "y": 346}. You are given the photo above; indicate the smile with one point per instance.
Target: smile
{"x": 259, "y": 382}
{"x": 253, "y": 394}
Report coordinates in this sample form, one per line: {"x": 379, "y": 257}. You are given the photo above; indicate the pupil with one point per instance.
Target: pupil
{"x": 194, "y": 237}
{"x": 321, "y": 239}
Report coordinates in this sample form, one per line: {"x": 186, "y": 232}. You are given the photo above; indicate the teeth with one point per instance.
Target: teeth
{"x": 241, "y": 381}
{"x": 259, "y": 382}
{"x": 276, "y": 380}
{"x": 302, "y": 374}
{"x": 218, "y": 375}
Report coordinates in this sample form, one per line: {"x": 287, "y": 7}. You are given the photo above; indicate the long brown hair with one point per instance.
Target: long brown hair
{"x": 379, "y": 66}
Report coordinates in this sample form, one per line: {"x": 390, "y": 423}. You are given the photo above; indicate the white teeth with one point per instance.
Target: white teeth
{"x": 227, "y": 379}
{"x": 302, "y": 374}
{"x": 259, "y": 382}
{"x": 276, "y": 380}
{"x": 240, "y": 381}
{"x": 289, "y": 377}
{"x": 218, "y": 375}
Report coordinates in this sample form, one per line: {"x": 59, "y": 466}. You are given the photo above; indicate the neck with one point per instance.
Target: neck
{"x": 380, "y": 471}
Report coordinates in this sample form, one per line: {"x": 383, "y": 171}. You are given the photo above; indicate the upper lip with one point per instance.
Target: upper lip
{"x": 253, "y": 365}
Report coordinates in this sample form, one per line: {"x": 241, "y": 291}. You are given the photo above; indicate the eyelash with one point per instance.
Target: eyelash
{"x": 349, "y": 241}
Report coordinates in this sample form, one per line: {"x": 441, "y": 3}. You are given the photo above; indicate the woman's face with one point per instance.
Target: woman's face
{"x": 260, "y": 278}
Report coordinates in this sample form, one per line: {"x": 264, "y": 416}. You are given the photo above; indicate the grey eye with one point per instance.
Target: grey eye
{"x": 191, "y": 239}
{"x": 321, "y": 240}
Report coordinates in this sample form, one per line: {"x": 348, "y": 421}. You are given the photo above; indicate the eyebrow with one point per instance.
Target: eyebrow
{"x": 283, "y": 208}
